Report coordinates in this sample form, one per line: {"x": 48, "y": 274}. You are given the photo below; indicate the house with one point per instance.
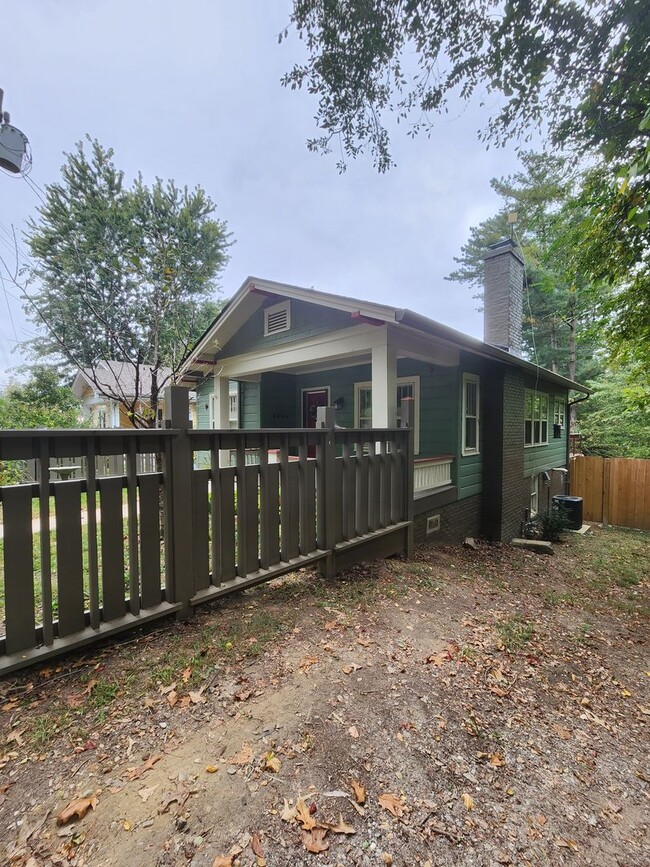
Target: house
{"x": 490, "y": 427}
{"x": 103, "y": 388}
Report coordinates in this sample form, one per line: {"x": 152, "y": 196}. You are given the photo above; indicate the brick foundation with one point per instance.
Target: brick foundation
{"x": 457, "y": 521}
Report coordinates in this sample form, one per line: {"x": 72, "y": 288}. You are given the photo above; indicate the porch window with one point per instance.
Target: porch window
{"x": 535, "y": 418}
{"x": 559, "y": 411}
{"x": 406, "y": 387}
{"x": 471, "y": 413}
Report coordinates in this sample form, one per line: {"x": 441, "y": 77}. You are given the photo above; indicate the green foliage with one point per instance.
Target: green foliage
{"x": 553, "y": 523}
{"x": 122, "y": 274}
{"x": 558, "y": 308}
{"x": 581, "y": 70}
{"x": 43, "y": 401}
{"x": 615, "y": 421}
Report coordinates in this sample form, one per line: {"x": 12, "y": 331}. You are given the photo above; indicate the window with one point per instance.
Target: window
{"x": 559, "y": 411}
{"x": 535, "y": 418}
{"x": 471, "y": 414}
{"x": 277, "y": 318}
{"x": 406, "y": 387}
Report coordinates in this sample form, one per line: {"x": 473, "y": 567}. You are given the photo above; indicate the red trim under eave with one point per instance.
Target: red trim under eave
{"x": 358, "y": 315}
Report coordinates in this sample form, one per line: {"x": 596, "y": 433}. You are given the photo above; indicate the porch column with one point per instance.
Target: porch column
{"x": 221, "y": 407}
{"x": 384, "y": 385}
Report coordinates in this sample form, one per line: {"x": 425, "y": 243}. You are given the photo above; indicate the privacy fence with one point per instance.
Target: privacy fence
{"x": 614, "y": 490}
{"x": 88, "y": 557}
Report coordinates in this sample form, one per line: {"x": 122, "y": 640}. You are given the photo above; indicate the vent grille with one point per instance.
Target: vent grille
{"x": 277, "y": 318}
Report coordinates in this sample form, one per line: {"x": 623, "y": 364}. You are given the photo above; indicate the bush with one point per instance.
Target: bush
{"x": 553, "y": 523}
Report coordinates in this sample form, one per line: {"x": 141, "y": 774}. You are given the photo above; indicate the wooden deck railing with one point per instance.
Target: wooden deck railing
{"x": 86, "y": 558}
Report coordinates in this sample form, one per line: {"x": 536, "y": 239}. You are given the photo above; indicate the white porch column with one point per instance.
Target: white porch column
{"x": 384, "y": 385}
{"x": 220, "y": 405}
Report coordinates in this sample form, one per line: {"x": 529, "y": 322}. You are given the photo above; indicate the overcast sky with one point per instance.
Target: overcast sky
{"x": 191, "y": 90}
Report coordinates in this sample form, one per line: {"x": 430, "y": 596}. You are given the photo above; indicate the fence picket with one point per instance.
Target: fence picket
{"x": 112, "y": 547}
{"x": 149, "y": 489}
{"x": 18, "y": 569}
{"x": 614, "y": 490}
{"x": 69, "y": 558}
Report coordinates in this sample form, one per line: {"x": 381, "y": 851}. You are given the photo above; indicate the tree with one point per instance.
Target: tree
{"x": 122, "y": 274}
{"x": 615, "y": 421}
{"x": 43, "y": 401}
{"x": 558, "y": 320}
{"x": 580, "y": 69}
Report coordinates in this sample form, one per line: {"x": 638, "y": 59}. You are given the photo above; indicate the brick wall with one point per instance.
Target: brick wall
{"x": 516, "y": 489}
{"x": 457, "y": 521}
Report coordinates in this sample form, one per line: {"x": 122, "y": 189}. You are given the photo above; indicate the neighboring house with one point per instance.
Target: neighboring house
{"x": 490, "y": 427}
{"x": 101, "y": 388}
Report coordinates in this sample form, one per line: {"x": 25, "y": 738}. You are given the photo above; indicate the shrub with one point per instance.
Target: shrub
{"x": 553, "y": 523}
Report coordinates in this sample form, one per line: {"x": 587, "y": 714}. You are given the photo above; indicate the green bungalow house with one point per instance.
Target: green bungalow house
{"x": 491, "y": 439}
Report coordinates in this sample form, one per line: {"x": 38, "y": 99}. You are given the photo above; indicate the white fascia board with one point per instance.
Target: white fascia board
{"x": 286, "y": 290}
{"x": 410, "y": 343}
{"x": 331, "y": 346}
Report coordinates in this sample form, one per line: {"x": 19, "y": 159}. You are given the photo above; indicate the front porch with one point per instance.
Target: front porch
{"x": 365, "y": 373}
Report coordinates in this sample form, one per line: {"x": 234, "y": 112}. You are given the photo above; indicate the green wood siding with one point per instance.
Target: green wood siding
{"x": 249, "y": 407}
{"x": 307, "y": 320}
{"x": 203, "y": 394}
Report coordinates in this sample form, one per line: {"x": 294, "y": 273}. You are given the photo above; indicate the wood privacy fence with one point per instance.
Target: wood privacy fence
{"x": 614, "y": 490}
{"x": 87, "y": 558}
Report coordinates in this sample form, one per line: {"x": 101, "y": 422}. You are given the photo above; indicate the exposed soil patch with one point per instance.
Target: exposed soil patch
{"x": 492, "y": 704}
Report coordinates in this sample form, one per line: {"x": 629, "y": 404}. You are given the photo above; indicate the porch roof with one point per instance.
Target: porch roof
{"x": 255, "y": 290}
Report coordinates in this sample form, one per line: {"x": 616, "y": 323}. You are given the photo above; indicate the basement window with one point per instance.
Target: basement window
{"x": 277, "y": 318}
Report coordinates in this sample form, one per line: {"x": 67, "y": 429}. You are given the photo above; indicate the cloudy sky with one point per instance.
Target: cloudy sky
{"x": 191, "y": 90}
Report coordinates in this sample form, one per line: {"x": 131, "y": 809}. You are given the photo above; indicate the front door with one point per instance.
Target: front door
{"x": 311, "y": 400}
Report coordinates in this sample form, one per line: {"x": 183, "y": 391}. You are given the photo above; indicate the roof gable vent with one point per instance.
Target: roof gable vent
{"x": 277, "y": 318}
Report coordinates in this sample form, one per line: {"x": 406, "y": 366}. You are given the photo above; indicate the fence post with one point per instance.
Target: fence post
{"x": 326, "y": 420}
{"x": 408, "y": 420}
{"x": 178, "y": 499}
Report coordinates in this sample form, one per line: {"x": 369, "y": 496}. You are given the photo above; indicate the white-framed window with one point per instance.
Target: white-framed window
{"x": 407, "y": 386}
{"x": 559, "y": 411}
{"x": 471, "y": 414}
{"x": 277, "y": 318}
{"x": 233, "y": 403}
{"x": 535, "y": 418}
{"x": 534, "y": 495}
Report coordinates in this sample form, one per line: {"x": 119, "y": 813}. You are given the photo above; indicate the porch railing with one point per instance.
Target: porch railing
{"x": 85, "y": 558}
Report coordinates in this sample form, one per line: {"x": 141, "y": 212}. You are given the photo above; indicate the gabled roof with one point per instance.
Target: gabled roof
{"x": 254, "y": 290}
{"x": 118, "y": 378}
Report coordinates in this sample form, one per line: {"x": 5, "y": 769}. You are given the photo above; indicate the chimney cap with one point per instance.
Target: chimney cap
{"x": 505, "y": 245}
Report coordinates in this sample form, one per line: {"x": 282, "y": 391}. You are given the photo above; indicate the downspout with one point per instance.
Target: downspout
{"x": 570, "y": 403}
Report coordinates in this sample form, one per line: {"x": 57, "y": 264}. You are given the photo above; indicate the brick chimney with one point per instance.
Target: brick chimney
{"x": 503, "y": 297}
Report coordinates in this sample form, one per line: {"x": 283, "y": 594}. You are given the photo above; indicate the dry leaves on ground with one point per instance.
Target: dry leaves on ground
{"x": 76, "y": 809}
{"x": 359, "y": 792}
{"x": 392, "y": 803}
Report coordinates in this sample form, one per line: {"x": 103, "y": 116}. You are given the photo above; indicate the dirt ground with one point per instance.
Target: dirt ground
{"x": 469, "y": 707}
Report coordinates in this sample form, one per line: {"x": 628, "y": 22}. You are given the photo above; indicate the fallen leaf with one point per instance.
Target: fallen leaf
{"x": 341, "y": 827}
{"x": 223, "y": 861}
{"x": 391, "y": 803}
{"x": 350, "y": 669}
{"x": 288, "y": 813}
{"x": 359, "y": 792}
{"x": 387, "y": 859}
{"x": 212, "y": 769}
{"x": 314, "y": 840}
{"x": 304, "y": 816}
{"x": 561, "y": 731}
{"x": 198, "y": 697}
{"x": 76, "y": 809}
{"x": 126, "y": 825}
{"x": 165, "y": 690}
{"x": 170, "y": 798}
{"x": 15, "y": 737}
{"x": 566, "y": 844}
{"x": 497, "y": 760}
{"x": 146, "y": 793}
{"x": 307, "y": 661}
{"x": 244, "y": 756}
{"x": 468, "y": 801}
{"x": 271, "y": 763}
{"x": 136, "y": 773}
{"x": 353, "y": 731}
{"x": 172, "y": 698}
{"x": 149, "y": 702}
{"x": 364, "y": 642}
{"x": 244, "y": 695}
{"x": 256, "y": 846}
{"x": 186, "y": 673}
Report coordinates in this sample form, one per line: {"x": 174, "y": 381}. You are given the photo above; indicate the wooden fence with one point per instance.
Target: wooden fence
{"x": 86, "y": 558}
{"x": 614, "y": 490}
